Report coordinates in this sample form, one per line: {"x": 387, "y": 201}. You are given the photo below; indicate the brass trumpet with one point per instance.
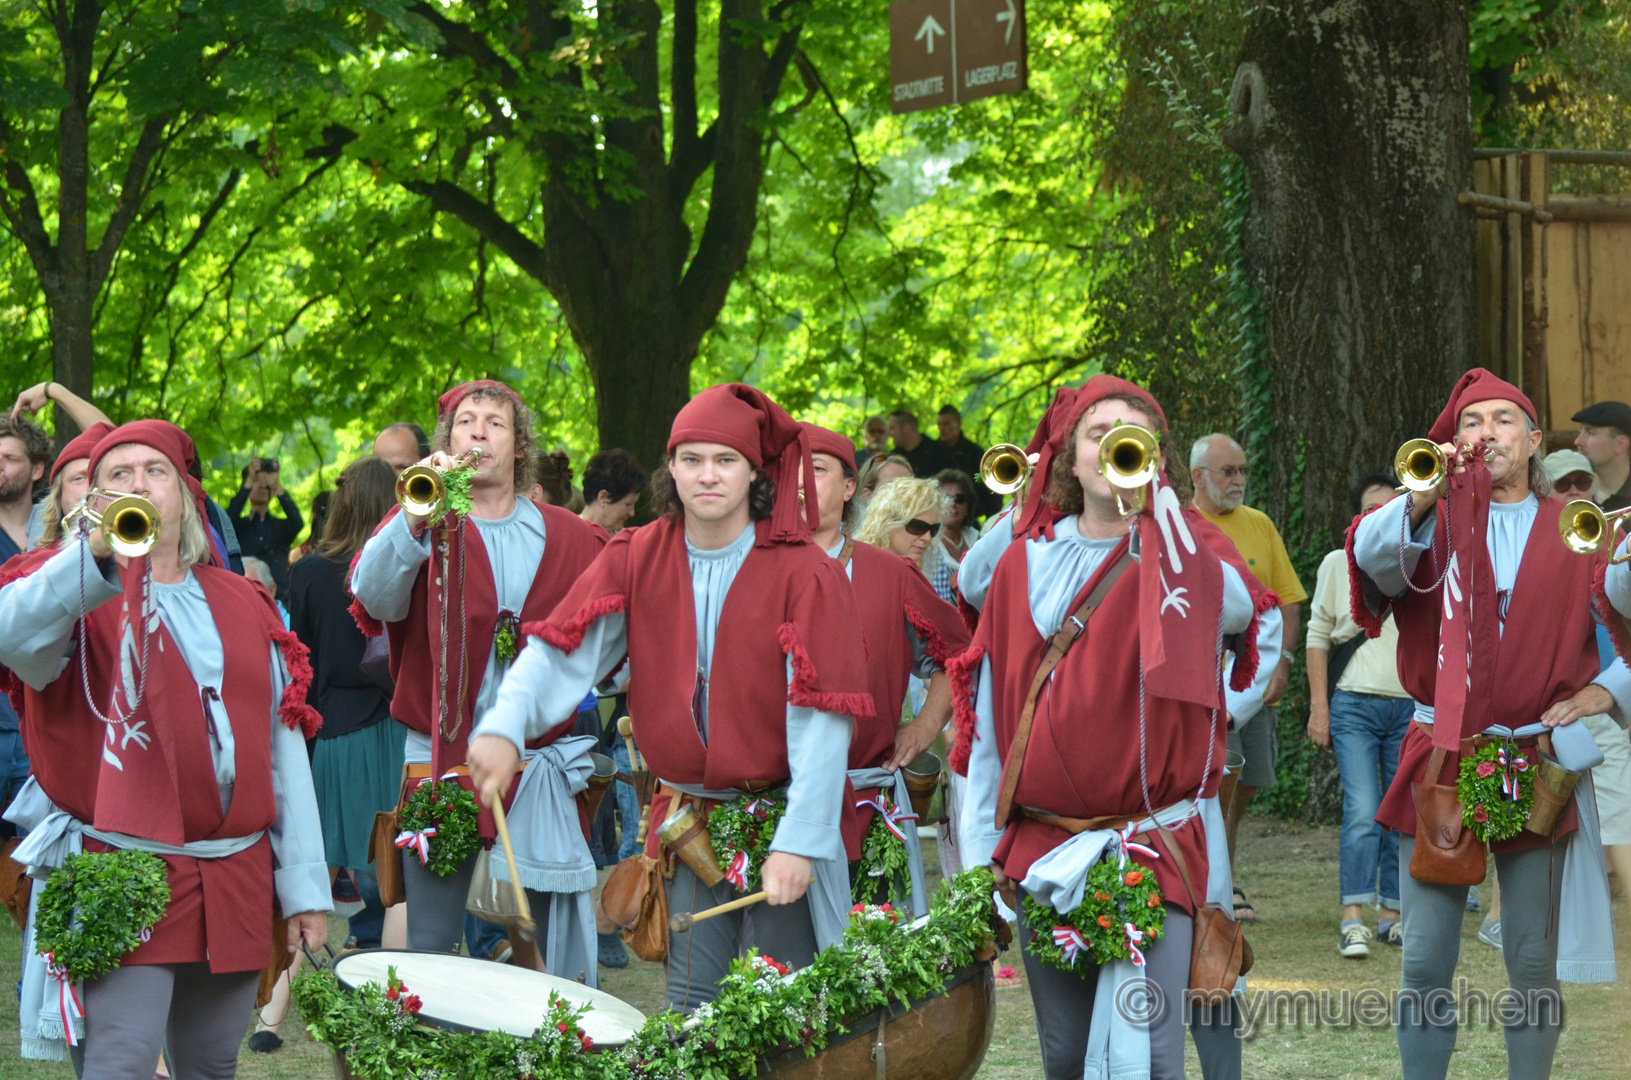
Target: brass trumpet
{"x": 1586, "y": 529}
{"x": 130, "y": 522}
{"x": 1420, "y": 465}
{"x": 421, "y": 490}
{"x": 1006, "y": 468}
{"x": 1129, "y": 457}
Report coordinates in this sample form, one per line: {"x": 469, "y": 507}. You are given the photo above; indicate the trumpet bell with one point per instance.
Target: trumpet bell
{"x": 1420, "y": 465}
{"x": 1586, "y": 529}
{"x": 1005, "y": 468}
{"x": 130, "y": 522}
{"x": 1129, "y": 456}
{"x": 420, "y": 490}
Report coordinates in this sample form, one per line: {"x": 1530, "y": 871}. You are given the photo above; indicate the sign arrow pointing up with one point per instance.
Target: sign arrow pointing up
{"x": 1009, "y": 18}
{"x": 928, "y": 30}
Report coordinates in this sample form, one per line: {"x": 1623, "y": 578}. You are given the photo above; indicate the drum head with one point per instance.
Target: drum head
{"x": 463, "y": 994}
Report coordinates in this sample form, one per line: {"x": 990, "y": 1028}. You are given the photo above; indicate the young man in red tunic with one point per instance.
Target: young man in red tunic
{"x": 1519, "y": 665}
{"x": 509, "y": 561}
{"x": 745, "y": 674}
{"x": 172, "y": 722}
{"x": 908, "y": 631}
{"x": 1123, "y": 750}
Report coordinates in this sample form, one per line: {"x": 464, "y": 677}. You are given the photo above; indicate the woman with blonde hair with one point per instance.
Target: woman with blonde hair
{"x": 904, "y": 517}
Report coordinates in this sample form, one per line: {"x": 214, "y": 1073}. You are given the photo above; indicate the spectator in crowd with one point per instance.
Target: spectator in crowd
{"x": 25, "y": 452}
{"x": 612, "y": 484}
{"x": 1357, "y": 707}
{"x": 874, "y": 440}
{"x": 966, "y": 455}
{"x": 82, "y": 414}
{"x": 1571, "y": 474}
{"x": 1217, "y": 465}
{"x": 402, "y": 444}
{"x": 926, "y": 456}
{"x": 552, "y": 478}
{"x": 259, "y": 533}
{"x": 1605, "y": 439}
{"x": 904, "y": 517}
{"x": 257, "y": 570}
{"x": 957, "y": 533}
{"x": 878, "y": 471}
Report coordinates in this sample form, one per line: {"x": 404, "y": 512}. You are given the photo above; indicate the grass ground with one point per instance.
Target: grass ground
{"x": 1290, "y": 874}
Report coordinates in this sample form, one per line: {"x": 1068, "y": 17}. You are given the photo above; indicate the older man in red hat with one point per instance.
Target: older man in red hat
{"x": 452, "y": 595}
{"x": 908, "y": 631}
{"x": 1497, "y": 647}
{"x": 745, "y": 675}
{"x": 172, "y": 722}
{"x": 1091, "y": 723}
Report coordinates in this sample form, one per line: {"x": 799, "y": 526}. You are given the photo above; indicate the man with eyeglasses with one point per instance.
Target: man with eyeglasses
{"x": 1217, "y": 464}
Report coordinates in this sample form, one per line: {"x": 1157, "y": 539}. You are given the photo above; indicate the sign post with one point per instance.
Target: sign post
{"x": 946, "y": 52}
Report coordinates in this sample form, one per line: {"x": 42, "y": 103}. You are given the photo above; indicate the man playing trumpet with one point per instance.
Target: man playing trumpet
{"x": 173, "y": 722}
{"x": 1496, "y": 643}
{"x": 451, "y": 591}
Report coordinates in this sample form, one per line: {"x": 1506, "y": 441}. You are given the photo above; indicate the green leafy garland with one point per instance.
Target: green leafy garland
{"x": 1114, "y": 896}
{"x": 883, "y": 857}
{"x": 449, "y": 809}
{"x": 456, "y": 484}
{"x": 504, "y": 639}
{"x": 1496, "y": 787}
{"x": 745, "y": 826}
{"x": 96, "y": 907}
{"x": 758, "y": 1010}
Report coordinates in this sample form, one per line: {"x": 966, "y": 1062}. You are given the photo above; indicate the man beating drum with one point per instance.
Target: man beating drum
{"x": 745, "y": 674}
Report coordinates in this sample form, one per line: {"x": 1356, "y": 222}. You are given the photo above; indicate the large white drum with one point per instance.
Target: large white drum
{"x": 461, "y": 993}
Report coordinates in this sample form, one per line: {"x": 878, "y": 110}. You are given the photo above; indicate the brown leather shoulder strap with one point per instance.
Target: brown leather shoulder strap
{"x": 1170, "y": 842}
{"x": 846, "y": 553}
{"x": 1066, "y": 636}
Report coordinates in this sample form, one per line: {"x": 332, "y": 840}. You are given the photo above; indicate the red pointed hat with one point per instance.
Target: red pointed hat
{"x": 450, "y": 400}
{"x": 174, "y": 444}
{"x": 80, "y": 446}
{"x": 1052, "y": 438}
{"x": 1477, "y": 385}
{"x": 744, "y": 419}
{"x": 827, "y": 441}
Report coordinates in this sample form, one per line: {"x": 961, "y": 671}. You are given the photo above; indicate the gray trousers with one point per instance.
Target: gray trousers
{"x": 1531, "y": 889}
{"x": 700, "y": 957}
{"x": 134, "y": 1011}
{"x": 436, "y": 905}
{"x": 1064, "y": 1003}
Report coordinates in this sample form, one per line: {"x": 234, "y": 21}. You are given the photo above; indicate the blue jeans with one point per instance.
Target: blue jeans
{"x": 628, "y": 803}
{"x": 482, "y": 937}
{"x": 1366, "y": 731}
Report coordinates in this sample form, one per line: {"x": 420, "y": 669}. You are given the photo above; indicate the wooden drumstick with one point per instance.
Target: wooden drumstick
{"x": 682, "y": 922}
{"x": 637, "y": 764}
{"x": 525, "y": 927}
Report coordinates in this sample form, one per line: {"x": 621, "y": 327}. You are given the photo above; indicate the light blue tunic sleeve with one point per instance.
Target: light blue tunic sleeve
{"x": 1618, "y": 581}
{"x": 1377, "y": 550}
{"x": 387, "y": 568}
{"x": 818, "y": 763}
{"x": 980, "y": 562}
{"x": 38, "y": 612}
{"x": 545, "y": 685}
{"x": 977, "y": 834}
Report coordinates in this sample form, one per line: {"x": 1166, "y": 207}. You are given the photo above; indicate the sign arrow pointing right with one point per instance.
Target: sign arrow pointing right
{"x": 928, "y": 30}
{"x": 1009, "y": 18}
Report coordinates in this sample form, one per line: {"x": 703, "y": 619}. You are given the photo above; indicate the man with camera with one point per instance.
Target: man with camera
{"x": 261, "y": 535}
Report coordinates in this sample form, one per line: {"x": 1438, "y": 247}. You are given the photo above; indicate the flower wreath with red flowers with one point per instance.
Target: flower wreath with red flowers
{"x": 742, "y": 830}
{"x": 437, "y": 823}
{"x": 1496, "y": 787}
{"x": 1119, "y": 916}
{"x": 401, "y": 1008}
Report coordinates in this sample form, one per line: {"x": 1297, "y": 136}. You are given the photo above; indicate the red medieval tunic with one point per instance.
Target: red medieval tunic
{"x": 1546, "y": 652}
{"x": 893, "y": 597}
{"x": 154, "y": 776}
{"x": 1082, "y": 760}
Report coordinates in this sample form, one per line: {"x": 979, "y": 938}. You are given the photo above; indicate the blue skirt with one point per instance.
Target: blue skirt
{"x": 356, "y": 775}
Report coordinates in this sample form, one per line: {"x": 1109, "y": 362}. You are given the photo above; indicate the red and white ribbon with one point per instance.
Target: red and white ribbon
{"x": 452, "y": 775}
{"x": 1069, "y": 941}
{"x": 1510, "y": 766}
{"x": 68, "y": 1006}
{"x": 892, "y": 815}
{"x": 1134, "y": 936}
{"x": 759, "y": 808}
{"x": 418, "y": 842}
{"x": 737, "y": 872}
{"x": 1127, "y": 845}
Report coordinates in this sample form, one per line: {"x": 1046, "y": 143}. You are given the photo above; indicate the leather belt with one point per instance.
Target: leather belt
{"x": 1075, "y": 826}
{"x": 1471, "y": 746}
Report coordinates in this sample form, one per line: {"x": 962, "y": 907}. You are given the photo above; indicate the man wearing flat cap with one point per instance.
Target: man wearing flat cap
{"x": 1605, "y": 439}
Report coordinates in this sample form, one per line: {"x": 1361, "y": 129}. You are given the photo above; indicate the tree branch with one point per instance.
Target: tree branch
{"x": 465, "y": 42}
{"x": 683, "y": 88}
{"x": 451, "y": 199}
{"x": 131, "y": 193}
{"x": 24, "y": 215}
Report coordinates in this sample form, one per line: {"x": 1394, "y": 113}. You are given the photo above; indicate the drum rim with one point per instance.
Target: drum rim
{"x": 454, "y": 1026}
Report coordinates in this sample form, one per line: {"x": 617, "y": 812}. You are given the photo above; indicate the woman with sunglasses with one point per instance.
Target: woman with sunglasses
{"x": 904, "y": 517}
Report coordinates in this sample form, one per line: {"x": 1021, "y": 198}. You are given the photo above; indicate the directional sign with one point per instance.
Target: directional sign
{"x": 946, "y": 52}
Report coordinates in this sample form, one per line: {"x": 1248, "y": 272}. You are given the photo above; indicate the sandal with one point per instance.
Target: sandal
{"x": 1244, "y": 912}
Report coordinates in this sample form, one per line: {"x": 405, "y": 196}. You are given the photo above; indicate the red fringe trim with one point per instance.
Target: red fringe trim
{"x": 961, "y": 670}
{"x": 370, "y": 626}
{"x": 1367, "y": 620}
{"x": 970, "y": 615}
{"x": 1246, "y": 653}
{"x": 933, "y": 640}
{"x": 568, "y": 636}
{"x": 1618, "y": 632}
{"x": 293, "y": 710}
{"x": 802, "y": 692}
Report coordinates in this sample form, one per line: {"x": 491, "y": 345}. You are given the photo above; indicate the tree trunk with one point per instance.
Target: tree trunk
{"x": 1353, "y": 124}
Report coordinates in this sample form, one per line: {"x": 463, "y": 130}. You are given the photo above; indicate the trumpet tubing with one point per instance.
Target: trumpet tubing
{"x": 130, "y": 522}
{"x": 421, "y": 489}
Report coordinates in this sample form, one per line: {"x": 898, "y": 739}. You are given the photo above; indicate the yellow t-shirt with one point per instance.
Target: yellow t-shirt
{"x": 1259, "y": 543}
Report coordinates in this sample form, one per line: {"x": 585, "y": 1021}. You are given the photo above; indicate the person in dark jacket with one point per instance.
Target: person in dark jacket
{"x": 260, "y": 534}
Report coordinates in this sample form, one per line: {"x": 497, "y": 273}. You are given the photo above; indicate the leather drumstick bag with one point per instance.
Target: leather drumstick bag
{"x": 1446, "y": 852}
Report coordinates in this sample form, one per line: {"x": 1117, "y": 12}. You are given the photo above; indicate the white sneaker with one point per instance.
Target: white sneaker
{"x": 1490, "y": 933}
{"x": 1354, "y": 942}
